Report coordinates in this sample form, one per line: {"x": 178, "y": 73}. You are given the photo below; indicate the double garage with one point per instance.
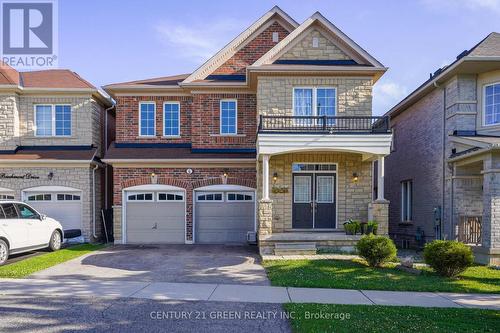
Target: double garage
{"x": 222, "y": 214}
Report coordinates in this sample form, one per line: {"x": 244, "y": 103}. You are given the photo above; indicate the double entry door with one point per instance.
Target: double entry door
{"x": 314, "y": 201}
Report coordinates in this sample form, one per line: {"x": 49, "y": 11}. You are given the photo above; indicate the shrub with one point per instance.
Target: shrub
{"x": 352, "y": 227}
{"x": 448, "y": 258}
{"x": 372, "y": 227}
{"x": 376, "y": 250}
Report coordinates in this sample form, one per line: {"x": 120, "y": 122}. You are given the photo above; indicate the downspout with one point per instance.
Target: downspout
{"x": 105, "y": 151}
{"x": 93, "y": 202}
{"x": 443, "y": 185}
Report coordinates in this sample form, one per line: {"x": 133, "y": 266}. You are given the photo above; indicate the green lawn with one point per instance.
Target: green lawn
{"x": 28, "y": 266}
{"x": 346, "y": 274}
{"x": 386, "y": 319}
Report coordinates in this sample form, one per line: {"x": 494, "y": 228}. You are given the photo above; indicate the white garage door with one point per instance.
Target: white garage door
{"x": 65, "y": 207}
{"x": 224, "y": 216}
{"x": 155, "y": 217}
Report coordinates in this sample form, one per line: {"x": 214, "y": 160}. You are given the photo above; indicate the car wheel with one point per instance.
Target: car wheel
{"x": 4, "y": 252}
{"x": 55, "y": 241}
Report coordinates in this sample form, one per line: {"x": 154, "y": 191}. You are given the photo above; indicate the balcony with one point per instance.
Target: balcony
{"x": 323, "y": 125}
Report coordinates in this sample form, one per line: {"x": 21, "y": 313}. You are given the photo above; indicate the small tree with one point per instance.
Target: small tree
{"x": 448, "y": 258}
{"x": 376, "y": 250}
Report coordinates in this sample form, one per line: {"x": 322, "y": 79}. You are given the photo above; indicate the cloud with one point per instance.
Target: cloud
{"x": 492, "y": 5}
{"x": 198, "y": 42}
{"x": 386, "y": 95}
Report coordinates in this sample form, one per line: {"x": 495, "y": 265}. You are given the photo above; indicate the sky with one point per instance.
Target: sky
{"x": 108, "y": 41}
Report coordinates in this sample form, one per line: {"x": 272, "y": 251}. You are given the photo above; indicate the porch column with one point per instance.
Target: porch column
{"x": 265, "y": 177}
{"x": 380, "y": 178}
{"x": 490, "y": 252}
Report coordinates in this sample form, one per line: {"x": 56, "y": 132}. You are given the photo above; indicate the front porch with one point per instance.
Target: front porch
{"x": 311, "y": 179}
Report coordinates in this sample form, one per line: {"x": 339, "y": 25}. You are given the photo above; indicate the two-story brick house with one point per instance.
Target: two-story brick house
{"x": 273, "y": 135}
{"x": 51, "y": 139}
{"x": 444, "y": 171}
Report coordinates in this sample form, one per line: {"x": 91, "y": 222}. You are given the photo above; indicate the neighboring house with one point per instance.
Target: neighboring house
{"x": 273, "y": 135}
{"x": 51, "y": 139}
{"x": 444, "y": 171}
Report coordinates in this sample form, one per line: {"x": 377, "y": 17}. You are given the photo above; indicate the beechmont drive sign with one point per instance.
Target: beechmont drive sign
{"x": 13, "y": 176}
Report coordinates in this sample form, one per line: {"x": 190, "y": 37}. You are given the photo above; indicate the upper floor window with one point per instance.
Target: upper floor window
{"x": 147, "y": 116}
{"x": 492, "y": 104}
{"x": 316, "y": 101}
{"x": 52, "y": 120}
{"x": 228, "y": 116}
{"x": 171, "y": 119}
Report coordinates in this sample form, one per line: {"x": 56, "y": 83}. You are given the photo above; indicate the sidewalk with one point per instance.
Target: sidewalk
{"x": 241, "y": 293}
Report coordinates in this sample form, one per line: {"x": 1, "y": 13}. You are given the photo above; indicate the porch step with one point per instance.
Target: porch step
{"x": 282, "y": 249}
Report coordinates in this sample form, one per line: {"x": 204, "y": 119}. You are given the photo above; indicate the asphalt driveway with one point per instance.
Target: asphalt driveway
{"x": 165, "y": 263}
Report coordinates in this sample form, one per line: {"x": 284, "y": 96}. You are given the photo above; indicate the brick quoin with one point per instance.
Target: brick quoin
{"x": 252, "y": 51}
{"x": 126, "y": 177}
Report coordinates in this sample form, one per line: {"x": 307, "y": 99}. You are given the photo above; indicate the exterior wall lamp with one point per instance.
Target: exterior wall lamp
{"x": 355, "y": 177}
{"x": 154, "y": 178}
{"x": 50, "y": 175}
{"x": 275, "y": 177}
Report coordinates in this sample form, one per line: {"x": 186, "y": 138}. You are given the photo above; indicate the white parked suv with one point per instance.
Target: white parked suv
{"x": 23, "y": 229}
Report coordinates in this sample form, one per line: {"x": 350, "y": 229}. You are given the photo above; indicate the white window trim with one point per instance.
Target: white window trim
{"x": 236, "y": 117}
{"x": 310, "y": 194}
{"x": 138, "y": 193}
{"x": 484, "y": 105}
{"x": 244, "y": 193}
{"x": 53, "y": 115}
{"x": 154, "y": 118}
{"x": 316, "y": 171}
{"x": 332, "y": 179}
{"x": 208, "y": 193}
{"x": 72, "y": 200}
{"x": 178, "y": 120}
{"x": 52, "y": 197}
{"x": 409, "y": 200}
{"x": 314, "y": 98}
{"x": 174, "y": 193}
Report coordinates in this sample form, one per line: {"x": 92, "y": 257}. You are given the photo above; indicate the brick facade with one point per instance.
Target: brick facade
{"x": 252, "y": 51}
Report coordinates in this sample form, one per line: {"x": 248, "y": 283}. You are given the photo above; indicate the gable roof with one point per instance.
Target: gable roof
{"x": 484, "y": 56}
{"x": 54, "y": 78}
{"x": 345, "y": 43}
{"x": 230, "y": 49}
{"x": 172, "y": 80}
{"x": 8, "y": 75}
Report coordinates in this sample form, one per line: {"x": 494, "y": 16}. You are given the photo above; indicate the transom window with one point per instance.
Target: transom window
{"x": 170, "y": 197}
{"x": 209, "y": 197}
{"x": 140, "y": 197}
{"x": 406, "y": 200}
{"x": 306, "y": 167}
{"x": 40, "y": 197}
{"x": 228, "y": 117}
{"x": 492, "y": 104}
{"x": 171, "y": 119}
{"x": 239, "y": 197}
{"x": 147, "y": 115}
{"x": 67, "y": 197}
{"x": 53, "y": 120}
{"x": 314, "y": 101}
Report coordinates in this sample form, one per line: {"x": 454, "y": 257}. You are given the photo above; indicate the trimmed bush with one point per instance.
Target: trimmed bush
{"x": 448, "y": 258}
{"x": 376, "y": 250}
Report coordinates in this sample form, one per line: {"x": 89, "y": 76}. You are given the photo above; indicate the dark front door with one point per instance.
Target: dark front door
{"x": 314, "y": 201}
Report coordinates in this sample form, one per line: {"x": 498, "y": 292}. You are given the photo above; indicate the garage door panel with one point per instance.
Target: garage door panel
{"x": 155, "y": 222}
{"x": 67, "y": 212}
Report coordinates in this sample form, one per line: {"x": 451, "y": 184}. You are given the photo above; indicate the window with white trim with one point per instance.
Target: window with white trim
{"x": 406, "y": 200}
{"x": 210, "y": 197}
{"x": 147, "y": 118}
{"x": 40, "y": 197}
{"x": 228, "y": 117}
{"x": 140, "y": 197}
{"x": 302, "y": 189}
{"x": 171, "y": 119}
{"x": 67, "y": 197}
{"x": 52, "y": 120}
{"x": 492, "y": 104}
{"x": 315, "y": 101}
{"x": 170, "y": 196}
{"x": 235, "y": 197}
{"x": 6, "y": 197}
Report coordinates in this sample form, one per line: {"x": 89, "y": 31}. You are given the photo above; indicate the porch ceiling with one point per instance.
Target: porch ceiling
{"x": 369, "y": 145}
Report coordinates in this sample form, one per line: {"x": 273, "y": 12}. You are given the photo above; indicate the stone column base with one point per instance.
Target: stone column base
{"x": 265, "y": 217}
{"x": 378, "y": 211}
{"x": 486, "y": 256}
{"x": 117, "y": 224}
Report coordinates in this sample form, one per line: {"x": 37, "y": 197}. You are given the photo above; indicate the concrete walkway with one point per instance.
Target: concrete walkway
{"x": 241, "y": 293}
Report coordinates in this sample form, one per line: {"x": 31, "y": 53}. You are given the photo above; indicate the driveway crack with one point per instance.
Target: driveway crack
{"x": 362, "y": 293}
{"x": 213, "y": 291}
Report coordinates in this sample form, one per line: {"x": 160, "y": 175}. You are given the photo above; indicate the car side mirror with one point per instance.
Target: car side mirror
{"x": 43, "y": 217}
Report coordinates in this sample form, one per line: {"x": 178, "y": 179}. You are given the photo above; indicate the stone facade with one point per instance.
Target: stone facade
{"x": 79, "y": 178}
{"x": 352, "y": 197}
{"x": 275, "y": 94}
{"x": 9, "y": 121}
{"x": 304, "y": 49}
